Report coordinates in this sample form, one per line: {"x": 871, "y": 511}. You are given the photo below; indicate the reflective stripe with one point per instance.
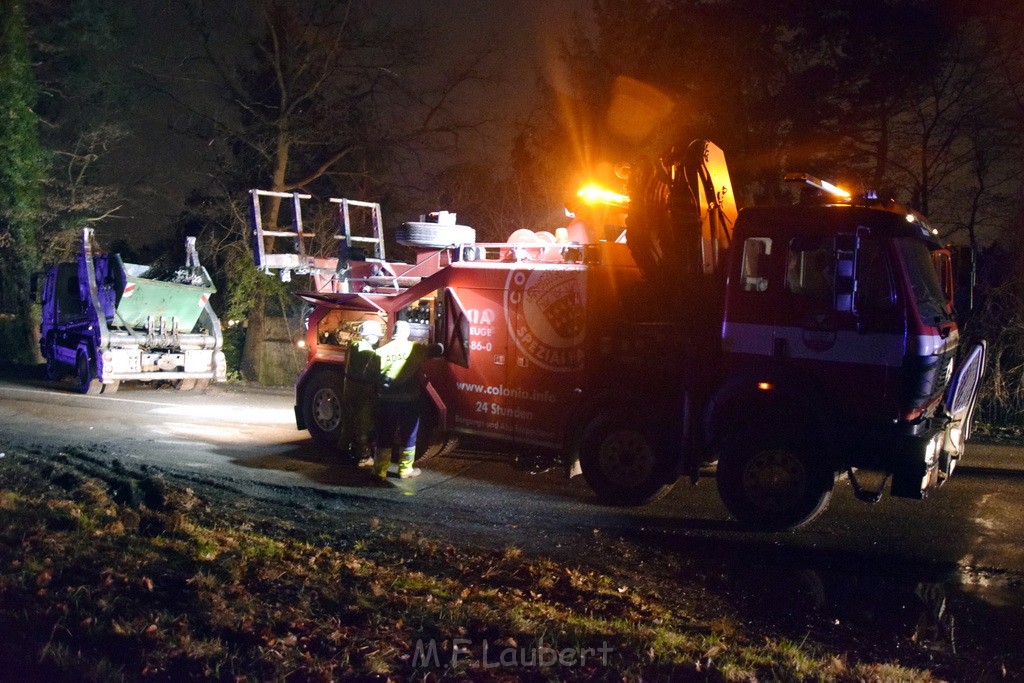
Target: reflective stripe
{"x": 747, "y": 338}
{"x": 839, "y": 346}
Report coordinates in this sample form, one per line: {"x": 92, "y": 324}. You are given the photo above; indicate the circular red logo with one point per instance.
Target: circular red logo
{"x": 546, "y": 319}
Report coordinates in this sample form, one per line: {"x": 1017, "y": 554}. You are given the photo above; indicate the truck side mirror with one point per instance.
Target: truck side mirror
{"x": 846, "y": 267}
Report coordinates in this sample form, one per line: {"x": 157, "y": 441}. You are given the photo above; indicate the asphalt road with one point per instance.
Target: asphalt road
{"x": 942, "y": 575}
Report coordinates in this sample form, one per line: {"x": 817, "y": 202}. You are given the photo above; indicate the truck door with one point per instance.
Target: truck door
{"x": 470, "y": 381}
{"x": 839, "y": 320}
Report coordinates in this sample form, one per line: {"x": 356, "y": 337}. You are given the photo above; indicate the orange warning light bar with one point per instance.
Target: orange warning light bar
{"x": 595, "y": 194}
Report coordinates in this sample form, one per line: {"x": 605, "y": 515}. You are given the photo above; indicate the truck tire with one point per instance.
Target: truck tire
{"x": 55, "y": 370}
{"x": 433, "y": 440}
{"x": 87, "y": 381}
{"x": 434, "y": 235}
{"x": 322, "y": 408}
{"x": 436, "y": 447}
{"x": 624, "y": 461}
{"x": 773, "y": 484}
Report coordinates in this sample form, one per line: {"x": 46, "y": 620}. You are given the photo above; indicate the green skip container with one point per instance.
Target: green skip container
{"x": 180, "y": 298}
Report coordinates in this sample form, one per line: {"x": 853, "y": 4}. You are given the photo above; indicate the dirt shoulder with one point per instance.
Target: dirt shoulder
{"x": 115, "y": 574}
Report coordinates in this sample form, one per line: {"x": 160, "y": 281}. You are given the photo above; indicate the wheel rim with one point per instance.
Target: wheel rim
{"x": 775, "y": 480}
{"x": 326, "y": 410}
{"x": 626, "y": 457}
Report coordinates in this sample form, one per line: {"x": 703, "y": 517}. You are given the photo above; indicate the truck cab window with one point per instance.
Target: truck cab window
{"x": 924, "y": 281}
{"x": 874, "y": 281}
{"x": 809, "y": 268}
{"x": 754, "y": 273}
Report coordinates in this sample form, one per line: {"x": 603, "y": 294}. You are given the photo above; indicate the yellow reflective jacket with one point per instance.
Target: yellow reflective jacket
{"x": 400, "y": 363}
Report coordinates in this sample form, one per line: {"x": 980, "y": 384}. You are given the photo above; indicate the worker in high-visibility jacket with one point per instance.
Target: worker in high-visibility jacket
{"x": 398, "y": 401}
{"x": 359, "y": 394}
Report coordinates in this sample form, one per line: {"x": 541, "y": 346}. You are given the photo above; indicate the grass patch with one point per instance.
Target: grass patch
{"x": 169, "y": 586}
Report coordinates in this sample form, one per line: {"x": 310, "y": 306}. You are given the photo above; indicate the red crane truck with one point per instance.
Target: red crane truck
{"x": 791, "y": 345}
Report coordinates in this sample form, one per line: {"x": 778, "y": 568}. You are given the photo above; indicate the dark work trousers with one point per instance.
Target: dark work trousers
{"x": 397, "y": 424}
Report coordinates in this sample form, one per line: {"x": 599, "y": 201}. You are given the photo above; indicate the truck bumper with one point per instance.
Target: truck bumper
{"x": 115, "y": 365}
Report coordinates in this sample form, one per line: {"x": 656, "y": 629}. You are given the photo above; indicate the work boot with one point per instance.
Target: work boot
{"x": 381, "y": 462}
{"x": 362, "y": 457}
{"x": 405, "y": 468}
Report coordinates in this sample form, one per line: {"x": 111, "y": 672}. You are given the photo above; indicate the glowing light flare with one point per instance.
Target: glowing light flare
{"x": 595, "y": 194}
{"x": 834, "y": 190}
{"x": 765, "y": 386}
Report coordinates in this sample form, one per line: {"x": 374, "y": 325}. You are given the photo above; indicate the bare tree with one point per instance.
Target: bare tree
{"x": 316, "y": 95}
{"x": 952, "y": 152}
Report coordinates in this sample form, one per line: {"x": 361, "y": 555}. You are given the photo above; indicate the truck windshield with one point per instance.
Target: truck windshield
{"x": 923, "y": 280}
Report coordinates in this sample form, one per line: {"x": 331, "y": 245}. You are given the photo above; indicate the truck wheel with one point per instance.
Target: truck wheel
{"x": 773, "y": 485}
{"x": 433, "y": 440}
{"x": 55, "y": 370}
{"x": 435, "y": 448}
{"x": 434, "y": 235}
{"x": 623, "y": 462}
{"x": 87, "y": 382}
{"x": 321, "y": 408}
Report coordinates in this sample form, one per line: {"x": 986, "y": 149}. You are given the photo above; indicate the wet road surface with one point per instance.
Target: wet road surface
{"x": 934, "y": 578}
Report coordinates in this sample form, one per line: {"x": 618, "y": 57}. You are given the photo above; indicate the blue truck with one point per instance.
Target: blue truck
{"x": 105, "y": 321}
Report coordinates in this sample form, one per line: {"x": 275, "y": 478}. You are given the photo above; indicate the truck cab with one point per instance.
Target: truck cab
{"x": 840, "y": 335}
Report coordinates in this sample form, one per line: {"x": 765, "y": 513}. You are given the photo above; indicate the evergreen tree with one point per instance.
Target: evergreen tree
{"x": 22, "y": 166}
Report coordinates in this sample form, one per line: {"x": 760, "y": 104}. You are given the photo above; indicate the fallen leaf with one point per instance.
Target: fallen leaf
{"x": 714, "y": 652}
